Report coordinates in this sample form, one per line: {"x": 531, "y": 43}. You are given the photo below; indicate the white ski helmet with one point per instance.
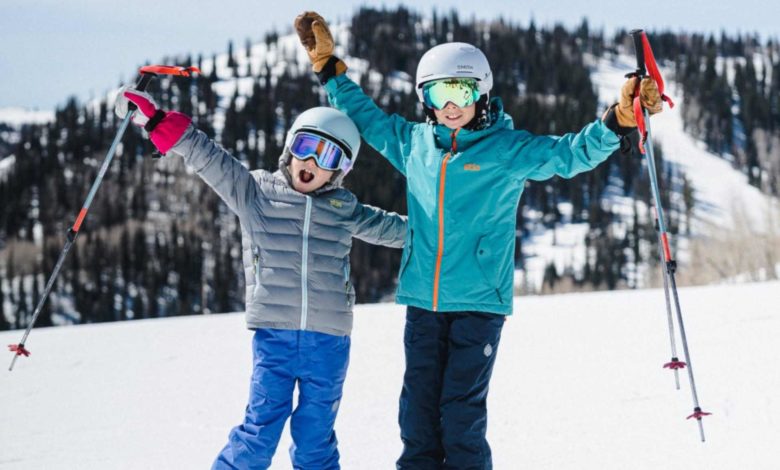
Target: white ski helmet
{"x": 454, "y": 59}
{"x": 333, "y": 124}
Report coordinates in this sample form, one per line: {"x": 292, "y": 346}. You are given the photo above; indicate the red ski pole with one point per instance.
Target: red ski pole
{"x": 147, "y": 74}
{"x": 647, "y": 67}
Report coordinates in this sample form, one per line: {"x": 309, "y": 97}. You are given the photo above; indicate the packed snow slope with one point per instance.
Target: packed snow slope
{"x": 578, "y": 384}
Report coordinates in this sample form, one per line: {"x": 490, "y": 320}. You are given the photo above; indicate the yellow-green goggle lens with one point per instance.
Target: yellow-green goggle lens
{"x": 461, "y": 92}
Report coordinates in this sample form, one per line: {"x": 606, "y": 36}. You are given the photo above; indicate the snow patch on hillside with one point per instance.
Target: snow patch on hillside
{"x": 16, "y": 117}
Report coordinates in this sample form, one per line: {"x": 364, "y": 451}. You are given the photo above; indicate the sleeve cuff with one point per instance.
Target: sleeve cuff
{"x": 332, "y": 68}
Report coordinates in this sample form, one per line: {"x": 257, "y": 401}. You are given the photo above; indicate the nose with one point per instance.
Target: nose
{"x": 450, "y": 106}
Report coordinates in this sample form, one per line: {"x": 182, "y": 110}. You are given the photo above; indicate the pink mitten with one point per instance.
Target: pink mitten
{"x": 164, "y": 128}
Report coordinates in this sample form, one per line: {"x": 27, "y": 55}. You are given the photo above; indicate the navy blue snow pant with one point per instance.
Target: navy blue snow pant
{"x": 318, "y": 363}
{"x": 443, "y": 406}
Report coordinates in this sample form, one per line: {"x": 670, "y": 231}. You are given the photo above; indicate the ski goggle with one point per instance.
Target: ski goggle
{"x": 327, "y": 154}
{"x": 461, "y": 92}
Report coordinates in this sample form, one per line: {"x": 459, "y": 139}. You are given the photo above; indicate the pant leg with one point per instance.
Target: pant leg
{"x": 252, "y": 444}
{"x": 425, "y": 344}
{"x": 324, "y": 362}
{"x": 473, "y": 342}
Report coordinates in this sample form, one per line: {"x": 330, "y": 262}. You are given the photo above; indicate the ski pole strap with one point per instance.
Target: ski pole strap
{"x": 646, "y": 66}
{"x": 152, "y": 123}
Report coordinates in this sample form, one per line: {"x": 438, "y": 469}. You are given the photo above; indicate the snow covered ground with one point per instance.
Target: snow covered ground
{"x": 578, "y": 384}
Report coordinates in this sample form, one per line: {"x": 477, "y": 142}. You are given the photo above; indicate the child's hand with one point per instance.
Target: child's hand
{"x": 649, "y": 96}
{"x": 316, "y": 38}
{"x": 145, "y": 103}
{"x": 164, "y": 129}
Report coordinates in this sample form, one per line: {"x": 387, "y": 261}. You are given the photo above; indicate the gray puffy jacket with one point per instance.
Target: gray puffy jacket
{"x": 296, "y": 246}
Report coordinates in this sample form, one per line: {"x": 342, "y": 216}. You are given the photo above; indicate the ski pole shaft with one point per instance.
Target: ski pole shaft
{"x": 670, "y": 321}
{"x": 73, "y": 232}
{"x": 670, "y": 268}
{"x": 641, "y": 71}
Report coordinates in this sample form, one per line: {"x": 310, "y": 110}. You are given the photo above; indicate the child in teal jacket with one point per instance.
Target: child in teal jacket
{"x": 465, "y": 169}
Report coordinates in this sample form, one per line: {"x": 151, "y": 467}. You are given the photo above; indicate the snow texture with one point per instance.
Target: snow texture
{"x": 578, "y": 383}
{"x": 15, "y": 117}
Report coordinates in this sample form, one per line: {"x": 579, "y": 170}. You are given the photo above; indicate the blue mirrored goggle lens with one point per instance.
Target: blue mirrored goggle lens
{"x": 461, "y": 92}
{"x": 326, "y": 154}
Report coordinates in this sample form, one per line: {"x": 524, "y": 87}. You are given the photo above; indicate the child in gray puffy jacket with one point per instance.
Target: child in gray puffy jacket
{"x": 297, "y": 228}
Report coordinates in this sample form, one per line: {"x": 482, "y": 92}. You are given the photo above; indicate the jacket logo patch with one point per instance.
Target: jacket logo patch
{"x": 471, "y": 167}
{"x": 336, "y": 203}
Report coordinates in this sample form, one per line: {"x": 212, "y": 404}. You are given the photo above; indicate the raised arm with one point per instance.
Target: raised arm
{"x": 229, "y": 178}
{"x": 173, "y": 132}
{"x": 390, "y": 135}
{"x": 542, "y": 157}
{"x": 379, "y": 227}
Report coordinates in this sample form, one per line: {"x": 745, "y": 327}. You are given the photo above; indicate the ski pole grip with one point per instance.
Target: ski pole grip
{"x": 143, "y": 82}
{"x": 639, "y": 48}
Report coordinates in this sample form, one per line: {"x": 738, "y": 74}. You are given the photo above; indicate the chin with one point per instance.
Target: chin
{"x": 453, "y": 126}
{"x": 303, "y": 188}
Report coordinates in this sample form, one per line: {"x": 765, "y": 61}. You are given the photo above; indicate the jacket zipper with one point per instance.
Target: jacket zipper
{"x": 440, "y": 249}
{"x": 304, "y": 265}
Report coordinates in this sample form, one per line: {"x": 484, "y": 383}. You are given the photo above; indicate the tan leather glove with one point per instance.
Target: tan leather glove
{"x": 649, "y": 96}
{"x": 316, "y": 38}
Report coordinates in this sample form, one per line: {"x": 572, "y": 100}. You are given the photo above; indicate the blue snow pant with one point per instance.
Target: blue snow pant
{"x": 317, "y": 362}
{"x": 443, "y": 406}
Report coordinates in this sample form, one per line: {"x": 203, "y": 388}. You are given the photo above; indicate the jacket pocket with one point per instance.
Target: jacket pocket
{"x": 487, "y": 265}
{"x": 407, "y": 254}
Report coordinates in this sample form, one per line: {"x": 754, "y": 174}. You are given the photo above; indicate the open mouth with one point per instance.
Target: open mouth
{"x": 305, "y": 176}
{"x": 452, "y": 117}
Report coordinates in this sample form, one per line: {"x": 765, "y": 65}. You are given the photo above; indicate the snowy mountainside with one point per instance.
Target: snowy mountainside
{"x": 723, "y": 197}
{"x": 719, "y": 188}
{"x": 16, "y": 116}
{"x": 578, "y": 383}
{"x": 720, "y": 191}
{"x": 11, "y": 119}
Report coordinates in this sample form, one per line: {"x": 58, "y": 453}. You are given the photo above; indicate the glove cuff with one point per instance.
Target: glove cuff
{"x": 610, "y": 119}
{"x": 168, "y": 130}
{"x": 333, "y": 67}
{"x": 154, "y": 120}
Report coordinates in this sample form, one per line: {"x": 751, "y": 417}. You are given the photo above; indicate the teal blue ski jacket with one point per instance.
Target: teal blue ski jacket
{"x": 463, "y": 190}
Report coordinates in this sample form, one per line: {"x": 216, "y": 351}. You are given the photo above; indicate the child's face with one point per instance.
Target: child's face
{"x": 307, "y": 176}
{"x": 455, "y": 117}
